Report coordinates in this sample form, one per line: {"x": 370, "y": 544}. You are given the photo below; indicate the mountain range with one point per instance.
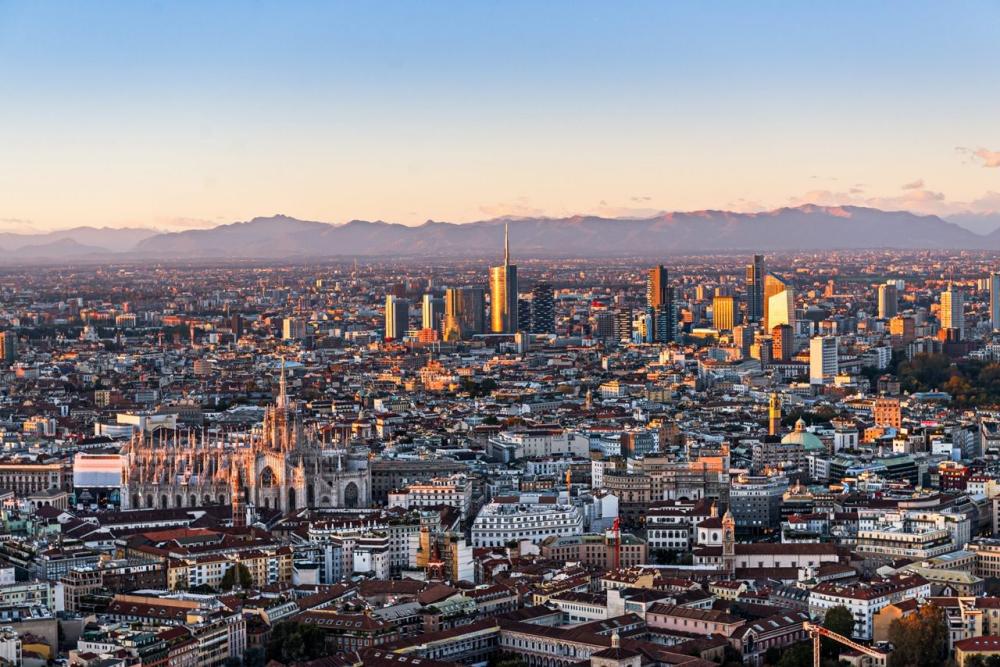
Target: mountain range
{"x": 807, "y": 227}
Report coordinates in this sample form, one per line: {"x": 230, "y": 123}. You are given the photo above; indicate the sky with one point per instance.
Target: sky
{"x": 188, "y": 114}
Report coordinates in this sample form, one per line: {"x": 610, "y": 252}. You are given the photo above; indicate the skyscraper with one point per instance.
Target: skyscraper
{"x": 623, "y": 325}
{"x": 293, "y": 328}
{"x": 8, "y": 346}
{"x": 397, "y": 317}
{"x": 784, "y": 341}
{"x": 543, "y": 313}
{"x": 660, "y": 305}
{"x": 773, "y": 284}
{"x": 953, "y": 311}
{"x": 888, "y": 301}
{"x": 995, "y": 300}
{"x": 464, "y": 313}
{"x": 723, "y": 313}
{"x": 781, "y": 309}
{"x": 503, "y": 292}
{"x": 755, "y": 288}
{"x": 823, "y": 361}
{"x": 432, "y": 311}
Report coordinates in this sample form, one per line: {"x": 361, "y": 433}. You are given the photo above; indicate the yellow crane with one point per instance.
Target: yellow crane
{"x": 815, "y": 631}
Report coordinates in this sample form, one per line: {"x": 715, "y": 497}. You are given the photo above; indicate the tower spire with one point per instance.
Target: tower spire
{"x": 506, "y": 244}
{"x": 283, "y": 387}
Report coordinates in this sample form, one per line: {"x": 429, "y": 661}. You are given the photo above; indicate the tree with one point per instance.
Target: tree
{"x": 839, "y": 620}
{"x": 920, "y": 639}
{"x": 798, "y": 655}
{"x": 292, "y": 641}
{"x": 772, "y": 656}
{"x": 254, "y": 656}
{"x": 237, "y": 574}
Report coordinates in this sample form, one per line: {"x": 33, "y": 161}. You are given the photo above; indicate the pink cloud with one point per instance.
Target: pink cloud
{"x": 989, "y": 158}
{"x": 914, "y": 185}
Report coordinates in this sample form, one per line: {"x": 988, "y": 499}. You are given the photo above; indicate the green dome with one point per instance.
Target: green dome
{"x": 800, "y": 436}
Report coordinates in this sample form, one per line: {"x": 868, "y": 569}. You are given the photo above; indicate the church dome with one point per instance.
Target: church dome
{"x": 800, "y": 436}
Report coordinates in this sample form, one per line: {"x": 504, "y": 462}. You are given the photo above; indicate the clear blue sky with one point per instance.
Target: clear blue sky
{"x": 190, "y": 113}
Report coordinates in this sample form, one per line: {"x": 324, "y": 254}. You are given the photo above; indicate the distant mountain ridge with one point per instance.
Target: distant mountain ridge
{"x": 801, "y": 228}
{"x": 807, "y": 227}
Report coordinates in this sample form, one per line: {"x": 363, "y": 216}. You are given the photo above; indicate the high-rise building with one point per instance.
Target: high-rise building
{"x": 742, "y": 338}
{"x": 604, "y": 325}
{"x": 8, "y": 346}
{"x": 783, "y": 338}
{"x": 724, "y": 313}
{"x": 397, "y": 317}
{"x": 888, "y": 301}
{"x": 660, "y": 305}
{"x": 432, "y": 311}
{"x": 953, "y": 311}
{"x": 755, "y": 288}
{"x": 773, "y": 284}
{"x": 995, "y": 300}
{"x": 903, "y": 330}
{"x": 464, "y": 313}
{"x": 823, "y": 361}
{"x": 623, "y": 325}
{"x": 543, "y": 311}
{"x": 524, "y": 315}
{"x": 781, "y": 309}
{"x": 293, "y": 328}
{"x": 503, "y": 292}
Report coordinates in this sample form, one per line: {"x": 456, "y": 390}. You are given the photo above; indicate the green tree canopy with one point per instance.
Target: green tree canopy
{"x": 920, "y": 639}
{"x": 292, "y": 641}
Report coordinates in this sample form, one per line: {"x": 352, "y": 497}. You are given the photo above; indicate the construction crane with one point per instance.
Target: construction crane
{"x": 815, "y": 631}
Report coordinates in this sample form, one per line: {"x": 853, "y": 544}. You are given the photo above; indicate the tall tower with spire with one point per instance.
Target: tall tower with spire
{"x": 774, "y": 415}
{"x": 236, "y": 493}
{"x": 503, "y": 291}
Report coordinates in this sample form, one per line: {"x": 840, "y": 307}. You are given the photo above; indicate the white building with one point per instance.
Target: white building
{"x": 528, "y": 517}
{"x": 454, "y": 491}
{"x": 864, "y": 600}
{"x": 822, "y": 359}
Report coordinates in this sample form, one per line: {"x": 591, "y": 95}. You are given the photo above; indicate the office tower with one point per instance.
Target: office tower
{"x": 397, "y": 317}
{"x": 723, "y": 313}
{"x": 503, "y": 292}
{"x": 293, "y": 328}
{"x": 742, "y": 338}
{"x": 781, "y": 309}
{"x": 524, "y": 314}
{"x": 660, "y": 305}
{"x": 774, "y": 415}
{"x": 623, "y": 325}
{"x": 604, "y": 325}
{"x": 783, "y": 337}
{"x": 8, "y": 346}
{"x": 995, "y": 300}
{"x": 763, "y": 350}
{"x": 823, "y": 362}
{"x": 773, "y": 284}
{"x": 755, "y": 288}
{"x": 432, "y": 311}
{"x": 236, "y": 325}
{"x": 904, "y": 328}
{"x": 464, "y": 313}
{"x": 953, "y": 311}
{"x": 543, "y": 309}
{"x": 888, "y": 301}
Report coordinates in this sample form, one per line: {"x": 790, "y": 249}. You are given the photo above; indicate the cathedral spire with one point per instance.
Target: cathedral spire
{"x": 283, "y": 387}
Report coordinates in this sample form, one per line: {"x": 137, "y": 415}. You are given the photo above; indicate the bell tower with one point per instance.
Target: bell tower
{"x": 774, "y": 415}
{"x": 729, "y": 543}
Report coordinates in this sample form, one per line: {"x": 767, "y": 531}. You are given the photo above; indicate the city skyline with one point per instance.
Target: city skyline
{"x": 180, "y": 117}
